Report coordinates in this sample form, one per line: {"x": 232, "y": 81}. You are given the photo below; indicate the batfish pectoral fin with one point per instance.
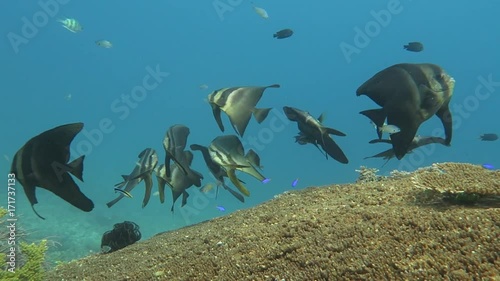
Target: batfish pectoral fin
{"x": 232, "y": 176}
{"x": 76, "y": 167}
{"x": 260, "y": 114}
{"x": 332, "y": 149}
{"x": 377, "y": 116}
{"x": 148, "y": 181}
{"x": 445, "y": 115}
{"x": 161, "y": 189}
{"x": 216, "y": 112}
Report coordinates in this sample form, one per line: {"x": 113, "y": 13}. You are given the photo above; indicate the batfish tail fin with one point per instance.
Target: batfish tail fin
{"x": 260, "y": 114}
{"x": 77, "y": 167}
{"x": 377, "y": 116}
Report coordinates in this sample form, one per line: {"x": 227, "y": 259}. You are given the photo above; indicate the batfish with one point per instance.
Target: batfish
{"x": 227, "y": 151}
{"x": 179, "y": 182}
{"x": 143, "y": 170}
{"x": 409, "y": 94}
{"x": 43, "y": 162}
{"x": 217, "y": 171}
{"x": 313, "y": 131}
{"x": 239, "y": 104}
{"x": 174, "y": 143}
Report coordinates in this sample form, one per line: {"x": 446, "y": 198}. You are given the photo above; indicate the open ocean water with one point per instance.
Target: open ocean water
{"x": 50, "y": 76}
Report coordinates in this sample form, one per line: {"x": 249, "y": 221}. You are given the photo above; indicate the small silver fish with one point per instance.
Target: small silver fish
{"x": 390, "y": 129}
{"x": 203, "y": 86}
{"x": 124, "y": 192}
{"x": 104, "y": 44}
{"x": 71, "y": 24}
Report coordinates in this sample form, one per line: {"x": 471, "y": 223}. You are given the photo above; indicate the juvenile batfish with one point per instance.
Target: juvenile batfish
{"x": 261, "y": 12}
{"x": 104, "y": 43}
{"x": 124, "y": 192}
{"x": 71, "y": 25}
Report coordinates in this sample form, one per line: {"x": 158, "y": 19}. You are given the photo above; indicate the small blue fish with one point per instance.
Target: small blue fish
{"x": 488, "y": 166}
{"x": 295, "y": 182}
{"x": 124, "y": 192}
{"x": 220, "y": 208}
{"x": 266, "y": 180}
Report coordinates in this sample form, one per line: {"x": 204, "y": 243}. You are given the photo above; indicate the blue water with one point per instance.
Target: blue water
{"x": 197, "y": 44}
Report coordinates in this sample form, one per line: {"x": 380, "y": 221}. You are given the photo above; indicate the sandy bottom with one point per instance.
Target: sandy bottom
{"x": 372, "y": 230}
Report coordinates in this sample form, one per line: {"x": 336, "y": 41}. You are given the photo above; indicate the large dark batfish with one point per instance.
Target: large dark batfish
{"x": 239, "y": 104}
{"x": 417, "y": 142}
{"x": 313, "y": 131}
{"x": 148, "y": 159}
{"x": 217, "y": 171}
{"x": 42, "y": 162}
{"x": 409, "y": 94}
{"x": 174, "y": 143}
{"x": 228, "y": 152}
{"x": 179, "y": 182}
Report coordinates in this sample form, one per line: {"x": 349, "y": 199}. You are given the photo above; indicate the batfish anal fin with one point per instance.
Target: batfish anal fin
{"x": 332, "y": 149}
{"x": 77, "y": 167}
{"x": 260, "y": 114}
{"x": 401, "y": 141}
{"x": 70, "y": 192}
{"x": 185, "y": 196}
{"x": 149, "y": 186}
{"x": 232, "y": 176}
{"x": 234, "y": 193}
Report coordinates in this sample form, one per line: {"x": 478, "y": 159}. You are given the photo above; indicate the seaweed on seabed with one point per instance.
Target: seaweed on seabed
{"x": 33, "y": 257}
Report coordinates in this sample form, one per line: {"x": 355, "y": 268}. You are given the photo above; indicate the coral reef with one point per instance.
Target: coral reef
{"x": 366, "y": 231}
{"x": 368, "y": 175}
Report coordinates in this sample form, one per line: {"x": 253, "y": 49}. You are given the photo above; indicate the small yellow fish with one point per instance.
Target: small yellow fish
{"x": 71, "y": 25}
{"x": 261, "y": 12}
{"x": 104, "y": 43}
{"x": 124, "y": 192}
{"x": 207, "y": 187}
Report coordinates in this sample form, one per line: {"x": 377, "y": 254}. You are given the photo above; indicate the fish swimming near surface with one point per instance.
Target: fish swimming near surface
{"x": 104, "y": 44}
{"x": 217, "y": 171}
{"x": 409, "y": 94}
{"x": 143, "y": 170}
{"x": 313, "y": 131}
{"x": 179, "y": 181}
{"x": 174, "y": 143}
{"x": 43, "y": 162}
{"x": 228, "y": 152}
{"x": 71, "y": 24}
{"x": 488, "y": 137}
{"x": 414, "y": 47}
{"x": 282, "y": 34}
{"x": 239, "y": 104}
{"x": 417, "y": 142}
